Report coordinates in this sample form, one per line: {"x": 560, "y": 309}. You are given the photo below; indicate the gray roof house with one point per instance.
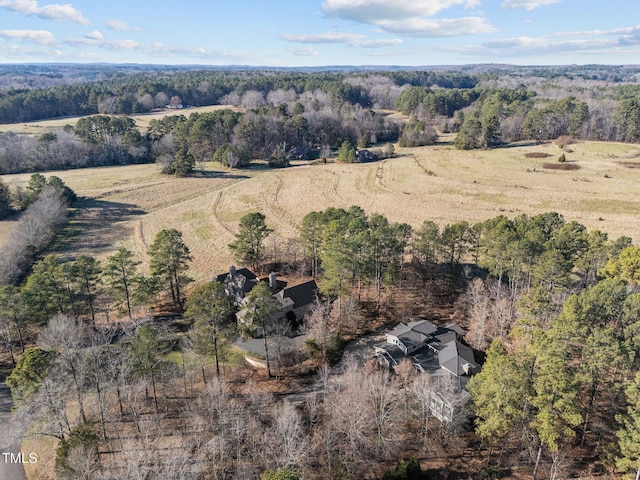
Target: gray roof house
{"x": 237, "y": 283}
{"x": 294, "y": 302}
{"x": 435, "y": 350}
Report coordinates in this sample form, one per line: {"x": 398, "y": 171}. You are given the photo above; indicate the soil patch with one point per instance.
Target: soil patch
{"x": 537, "y": 155}
{"x": 561, "y": 166}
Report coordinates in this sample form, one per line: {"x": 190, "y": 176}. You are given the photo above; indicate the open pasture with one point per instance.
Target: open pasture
{"x": 129, "y": 205}
{"x": 142, "y": 120}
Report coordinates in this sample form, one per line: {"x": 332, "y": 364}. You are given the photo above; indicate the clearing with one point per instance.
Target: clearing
{"x": 142, "y": 120}
{"x": 128, "y": 205}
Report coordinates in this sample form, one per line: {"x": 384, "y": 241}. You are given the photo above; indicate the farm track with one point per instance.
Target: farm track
{"x": 216, "y": 213}
{"x": 130, "y": 189}
{"x": 380, "y": 177}
{"x": 276, "y": 208}
{"x": 334, "y": 187}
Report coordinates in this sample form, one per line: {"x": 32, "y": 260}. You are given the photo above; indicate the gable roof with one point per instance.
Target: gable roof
{"x": 432, "y": 349}
{"x": 422, "y": 326}
{"x": 302, "y": 295}
{"x": 457, "y": 358}
{"x": 250, "y": 279}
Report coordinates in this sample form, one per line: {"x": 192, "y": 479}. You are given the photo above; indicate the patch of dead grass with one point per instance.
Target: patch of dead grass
{"x": 131, "y": 204}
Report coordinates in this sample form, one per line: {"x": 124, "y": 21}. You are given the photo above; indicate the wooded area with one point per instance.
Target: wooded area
{"x": 312, "y": 113}
{"x": 130, "y": 367}
{"x": 553, "y": 304}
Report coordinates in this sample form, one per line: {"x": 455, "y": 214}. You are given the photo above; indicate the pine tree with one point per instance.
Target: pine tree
{"x": 208, "y": 306}
{"x": 169, "y": 260}
{"x": 629, "y": 433}
{"x": 248, "y": 245}
{"x": 120, "y": 274}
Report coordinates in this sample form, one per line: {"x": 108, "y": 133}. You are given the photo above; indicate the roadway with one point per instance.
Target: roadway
{"x": 8, "y": 441}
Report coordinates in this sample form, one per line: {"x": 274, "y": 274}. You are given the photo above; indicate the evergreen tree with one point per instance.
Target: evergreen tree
{"x": 499, "y": 393}
{"x": 629, "y": 432}
{"x": 87, "y": 272}
{"x": 248, "y": 246}
{"x": 208, "y": 306}
{"x": 260, "y": 308}
{"x": 169, "y": 260}
{"x": 491, "y": 131}
{"x": 346, "y": 153}
{"x": 31, "y": 370}
{"x": 120, "y": 274}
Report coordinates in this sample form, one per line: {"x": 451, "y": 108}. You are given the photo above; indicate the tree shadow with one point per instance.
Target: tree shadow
{"x": 94, "y": 225}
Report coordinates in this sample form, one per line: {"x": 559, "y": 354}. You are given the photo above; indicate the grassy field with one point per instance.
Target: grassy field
{"x": 129, "y": 205}
{"x": 142, "y": 120}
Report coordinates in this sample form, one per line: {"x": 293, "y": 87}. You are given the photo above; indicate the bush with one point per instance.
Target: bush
{"x": 82, "y": 438}
{"x": 491, "y": 472}
{"x": 562, "y": 158}
{"x": 405, "y": 470}
{"x": 282, "y": 474}
{"x": 417, "y": 134}
{"x": 346, "y": 153}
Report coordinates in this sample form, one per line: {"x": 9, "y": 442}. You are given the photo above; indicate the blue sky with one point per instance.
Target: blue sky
{"x": 321, "y": 32}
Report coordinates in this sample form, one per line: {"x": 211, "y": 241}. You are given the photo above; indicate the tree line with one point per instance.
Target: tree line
{"x": 44, "y": 205}
{"x": 312, "y": 113}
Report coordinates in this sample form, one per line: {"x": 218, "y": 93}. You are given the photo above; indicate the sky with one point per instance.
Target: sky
{"x": 293, "y": 33}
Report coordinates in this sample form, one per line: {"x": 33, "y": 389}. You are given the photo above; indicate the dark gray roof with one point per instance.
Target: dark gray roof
{"x": 427, "y": 360}
{"x": 412, "y": 338}
{"x": 456, "y": 328}
{"x": 250, "y": 278}
{"x": 422, "y": 326}
{"x": 302, "y": 295}
{"x": 394, "y": 353}
{"x": 454, "y": 356}
{"x": 248, "y": 274}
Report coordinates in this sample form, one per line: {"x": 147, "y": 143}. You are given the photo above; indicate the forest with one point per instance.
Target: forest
{"x": 123, "y": 366}
{"x": 311, "y": 113}
{"x": 553, "y": 305}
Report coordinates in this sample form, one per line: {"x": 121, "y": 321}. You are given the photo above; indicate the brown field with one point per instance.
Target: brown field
{"x": 142, "y": 120}
{"x": 129, "y": 205}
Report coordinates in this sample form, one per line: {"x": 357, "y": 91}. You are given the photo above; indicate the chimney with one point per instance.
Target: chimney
{"x": 232, "y": 271}
{"x": 272, "y": 281}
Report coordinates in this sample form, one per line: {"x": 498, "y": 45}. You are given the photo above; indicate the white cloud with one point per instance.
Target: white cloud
{"x": 445, "y": 27}
{"x": 93, "y": 40}
{"x": 527, "y": 4}
{"x": 54, "y": 11}
{"x": 373, "y": 11}
{"x": 352, "y": 39}
{"x": 41, "y": 37}
{"x": 95, "y": 35}
{"x": 544, "y": 46}
{"x": 304, "y": 51}
{"x": 26, "y": 53}
{"x": 96, "y": 39}
{"x": 412, "y": 18}
{"x": 119, "y": 26}
{"x": 594, "y": 41}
